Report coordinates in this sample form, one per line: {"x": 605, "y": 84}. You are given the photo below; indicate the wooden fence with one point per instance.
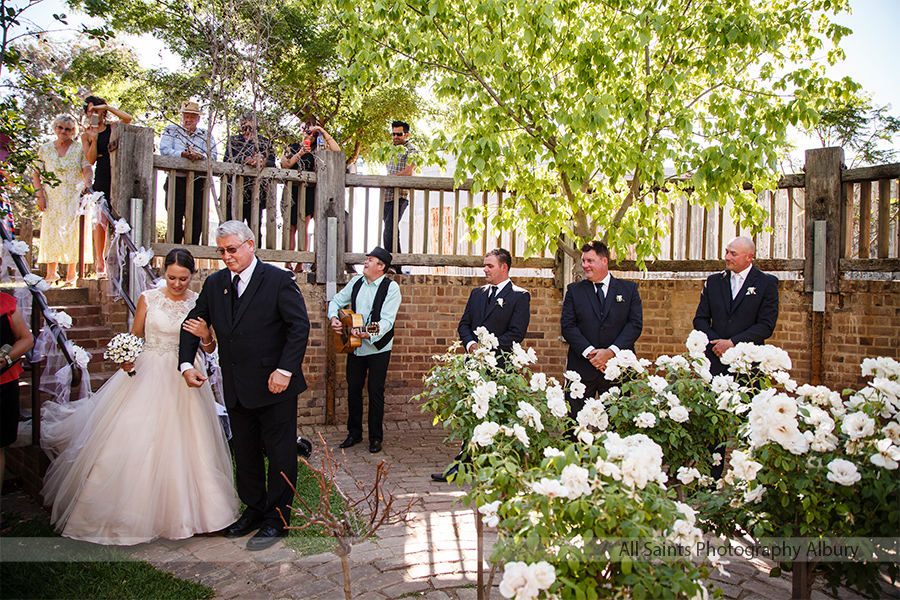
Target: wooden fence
{"x": 859, "y": 206}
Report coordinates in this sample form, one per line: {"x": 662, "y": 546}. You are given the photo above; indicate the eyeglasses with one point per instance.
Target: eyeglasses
{"x": 230, "y": 249}
{"x": 393, "y": 133}
{"x": 61, "y": 128}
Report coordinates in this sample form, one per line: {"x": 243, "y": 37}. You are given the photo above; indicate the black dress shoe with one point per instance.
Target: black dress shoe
{"x": 350, "y": 441}
{"x": 304, "y": 447}
{"x": 375, "y": 446}
{"x": 242, "y": 526}
{"x": 446, "y": 475}
{"x": 266, "y": 537}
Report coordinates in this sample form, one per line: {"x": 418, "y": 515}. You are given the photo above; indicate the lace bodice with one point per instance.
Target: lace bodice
{"x": 162, "y": 327}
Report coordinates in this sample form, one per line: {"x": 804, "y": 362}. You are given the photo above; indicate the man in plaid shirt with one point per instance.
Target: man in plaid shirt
{"x": 401, "y": 163}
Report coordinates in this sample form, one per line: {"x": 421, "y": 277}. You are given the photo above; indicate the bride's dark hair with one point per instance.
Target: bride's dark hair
{"x": 180, "y": 257}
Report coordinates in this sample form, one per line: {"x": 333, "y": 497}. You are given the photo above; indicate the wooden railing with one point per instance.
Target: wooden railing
{"x": 858, "y": 204}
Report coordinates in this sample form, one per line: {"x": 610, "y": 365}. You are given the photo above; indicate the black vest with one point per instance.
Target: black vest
{"x": 380, "y": 295}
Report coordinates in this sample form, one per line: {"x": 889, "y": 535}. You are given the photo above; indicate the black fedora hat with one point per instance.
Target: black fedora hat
{"x": 382, "y": 255}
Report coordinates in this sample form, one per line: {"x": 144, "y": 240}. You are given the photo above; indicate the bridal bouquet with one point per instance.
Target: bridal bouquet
{"x": 124, "y": 347}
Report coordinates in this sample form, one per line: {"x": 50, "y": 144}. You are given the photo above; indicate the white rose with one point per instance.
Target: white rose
{"x": 538, "y": 382}
{"x": 645, "y": 419}
{"x": 573, "y": 376}
{"x": 576, "y": 481}
{"x": 530, "y": 415}
{"x": 17, "y": 247}
{"x": 122, "y": 227}
{"x": 518, "y": 582}
{"x": 687, "y": 475}
{"x": 858, "y": 425}
{"x": 484, "y": 433}
{"x": 696, "y": 343}
{"x": 755, "y": 495}
{"x": 657, "y": 383}
{"x": 887, "y": 456}
{"x": 843, "y": 472}
{"x": 743, "y": 467}
{"x": 544, "y": 574}
{"x": 551, "y": 452}
{"x": 679, "y": 414}
{"x": 489, "y": 510}
{"x": 892, "y": 431}
{"x": 520, "y": 434}
{"x": 552, "y": 488}
{"x": 577, "y": 389}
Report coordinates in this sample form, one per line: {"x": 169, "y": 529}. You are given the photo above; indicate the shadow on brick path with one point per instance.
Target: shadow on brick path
{"x": 433, "y": 556}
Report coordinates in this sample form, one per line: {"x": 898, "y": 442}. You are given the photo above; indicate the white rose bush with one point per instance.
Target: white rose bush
{"x": 812, "y": 463}
{"x": 557, "y": 490}
{"x": 678, "y": 404}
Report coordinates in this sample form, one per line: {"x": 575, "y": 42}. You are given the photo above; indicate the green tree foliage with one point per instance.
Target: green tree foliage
{"x": 597, "y": 114}
{"x": 864, "y": 130}
{"x": 277, "y": 58}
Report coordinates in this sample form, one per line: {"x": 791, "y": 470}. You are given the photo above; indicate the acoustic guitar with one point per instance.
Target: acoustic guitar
{"x": 346, "y": 342}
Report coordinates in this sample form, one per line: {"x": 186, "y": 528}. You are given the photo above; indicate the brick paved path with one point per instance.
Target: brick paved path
{"x": 433, "y": 556}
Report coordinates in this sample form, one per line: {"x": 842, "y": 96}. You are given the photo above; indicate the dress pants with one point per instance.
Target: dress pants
{"x": 181, "y": 209}
{"x": 269, "y": 431}
{"x": 388, "y": 237}
{"x": 376, "y": 366}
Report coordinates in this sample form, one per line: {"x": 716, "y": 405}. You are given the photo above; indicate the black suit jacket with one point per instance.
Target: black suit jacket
{"x": 750, "y": 317}
{"x": 585, "y": 323}
{"x": 508, "y": 322}
{"x": 269, "y": 330}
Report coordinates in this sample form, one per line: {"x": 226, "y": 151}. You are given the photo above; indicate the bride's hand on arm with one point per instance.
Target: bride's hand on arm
{"x": 199, "y": 328}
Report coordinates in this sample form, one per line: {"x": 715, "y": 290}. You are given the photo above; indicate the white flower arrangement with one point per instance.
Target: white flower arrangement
{"x": 62, "y": 318}
{"x": 17, "y": 247}
{"x": 619, "y": 298}
{"x": 36, "y": 282}
{"x": 124, "y": 347}
{"x": 500, "y": 302}
{"x": 751, "y": 291}
{"x": 122, "y": 227}
{"x": 81, "y": 356}
{"x": 142, "y": 257}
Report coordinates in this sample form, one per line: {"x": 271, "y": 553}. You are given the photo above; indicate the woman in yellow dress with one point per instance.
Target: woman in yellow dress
{"x": 64, "y": 158}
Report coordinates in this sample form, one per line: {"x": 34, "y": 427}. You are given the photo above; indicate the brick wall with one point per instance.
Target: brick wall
{"x": 862, "y": 321}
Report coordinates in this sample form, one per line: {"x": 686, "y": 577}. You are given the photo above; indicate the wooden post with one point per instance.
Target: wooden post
{"x": 884, "y": 218}
{"x": 865, "y": 218}
{"x": 330, "y": 182}
{"x": 131, "y": 162}
{"x": 823, "y": 203}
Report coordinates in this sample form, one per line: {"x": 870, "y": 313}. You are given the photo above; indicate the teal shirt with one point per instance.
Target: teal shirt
{"x": 364, "y": 301}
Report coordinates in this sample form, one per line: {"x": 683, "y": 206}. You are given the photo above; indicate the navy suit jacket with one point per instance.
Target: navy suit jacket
{"x": 269, "y": 331}
{"x": 508, "y": 322}
{"x": 750, "y": 317}
{"x": 585, "y": 323}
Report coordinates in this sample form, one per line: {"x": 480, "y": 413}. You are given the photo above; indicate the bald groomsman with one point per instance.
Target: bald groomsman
{"x": 737, "y": 305}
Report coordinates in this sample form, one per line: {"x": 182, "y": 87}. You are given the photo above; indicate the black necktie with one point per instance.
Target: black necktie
{"x": 234, "y": 288}
{"x": 600, "y": 296}
{"x": 492, "y": 295}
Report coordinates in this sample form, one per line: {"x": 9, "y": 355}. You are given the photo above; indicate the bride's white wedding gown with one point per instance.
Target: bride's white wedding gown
{"x": 145, "y": 457}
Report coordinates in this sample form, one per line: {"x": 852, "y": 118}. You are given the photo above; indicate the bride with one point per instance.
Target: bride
{"x": 145, "y": 457}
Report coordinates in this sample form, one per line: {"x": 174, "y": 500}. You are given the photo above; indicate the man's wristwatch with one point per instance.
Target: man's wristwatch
{"x": 8, "y": 359}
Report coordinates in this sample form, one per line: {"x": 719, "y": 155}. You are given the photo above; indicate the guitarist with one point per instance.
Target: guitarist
{"x": 377, "y": 299}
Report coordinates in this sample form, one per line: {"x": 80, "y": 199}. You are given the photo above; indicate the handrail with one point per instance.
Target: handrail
{"x": 59, "y": 335}
{"x": 126, "y": 237}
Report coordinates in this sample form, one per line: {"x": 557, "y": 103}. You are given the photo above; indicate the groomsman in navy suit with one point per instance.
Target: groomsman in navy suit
{"x": 502, "y": 308}
{"x": 600, "y": 314}
{"x": 737, "y": 305}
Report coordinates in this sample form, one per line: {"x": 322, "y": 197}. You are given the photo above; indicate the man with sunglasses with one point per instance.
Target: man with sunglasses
{"x": 402, "y": 163}
{"x": 250, "y": 149}
{"x": 261, "y": 326}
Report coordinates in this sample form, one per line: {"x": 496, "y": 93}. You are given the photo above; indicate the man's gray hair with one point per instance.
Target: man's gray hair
{"x": 238, "y": 228}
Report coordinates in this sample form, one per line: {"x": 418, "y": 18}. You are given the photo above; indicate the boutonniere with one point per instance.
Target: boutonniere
{"x": 751, "y": 291}
{"x": 619, "y": 299}
{"x": 500, "y": 302}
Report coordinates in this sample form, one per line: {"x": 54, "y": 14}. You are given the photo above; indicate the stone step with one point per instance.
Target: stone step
{"x": 58, "y": 296}
{"x": 96, "y": 336}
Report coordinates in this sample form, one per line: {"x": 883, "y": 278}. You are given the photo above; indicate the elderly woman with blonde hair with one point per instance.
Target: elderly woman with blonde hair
{"x": 64, "y": 159}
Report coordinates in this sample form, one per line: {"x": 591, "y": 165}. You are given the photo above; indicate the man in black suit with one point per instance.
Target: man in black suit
{"x": 737, "y": 305}
{"x": 261, "y": 326}
{"x": 502, "y": 308}
{"x": 600, "y": 314}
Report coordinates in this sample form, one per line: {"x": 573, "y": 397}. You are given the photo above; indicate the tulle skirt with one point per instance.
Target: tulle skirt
{"x": 143, "y": 458}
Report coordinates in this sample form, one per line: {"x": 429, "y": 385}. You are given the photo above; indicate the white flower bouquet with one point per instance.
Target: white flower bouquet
{"x": 142, "y": 257}
{"x": 123, "y": 348}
